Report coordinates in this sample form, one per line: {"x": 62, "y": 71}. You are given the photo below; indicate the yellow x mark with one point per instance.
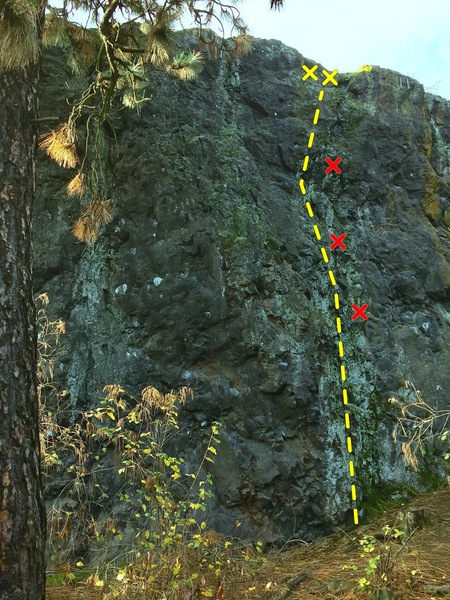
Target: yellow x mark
{"x": 329, "y": 77}
{"x": 309, "y": 73}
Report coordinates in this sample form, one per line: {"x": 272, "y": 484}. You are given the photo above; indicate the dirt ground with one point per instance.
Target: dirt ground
{"x": 315, "y": 571}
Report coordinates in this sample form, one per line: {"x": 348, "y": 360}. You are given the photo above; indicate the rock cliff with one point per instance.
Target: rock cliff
{"x": 211, "y": 276}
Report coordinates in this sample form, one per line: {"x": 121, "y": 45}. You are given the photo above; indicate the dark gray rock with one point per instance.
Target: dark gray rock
{"x": 210, "y": 274}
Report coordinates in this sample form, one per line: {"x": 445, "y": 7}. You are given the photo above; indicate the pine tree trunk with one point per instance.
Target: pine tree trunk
{"x": 22, "y": 513}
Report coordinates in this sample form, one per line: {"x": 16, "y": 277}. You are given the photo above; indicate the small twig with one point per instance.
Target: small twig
{"x": 131, "y": 50}
{"x": 44, "y": 119}
{"x": 346, "y": 534}
{"x": 405, "y": 542}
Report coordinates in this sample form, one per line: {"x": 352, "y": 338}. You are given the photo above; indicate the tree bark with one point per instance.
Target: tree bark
{"x": 22, "y": 512}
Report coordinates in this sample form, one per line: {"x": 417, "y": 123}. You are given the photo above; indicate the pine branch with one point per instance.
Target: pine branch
{"x": 117, "y": 54}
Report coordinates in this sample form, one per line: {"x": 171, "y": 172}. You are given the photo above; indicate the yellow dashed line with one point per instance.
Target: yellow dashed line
{"x": 302, "y": 187}
{"x": 351, "y": 466}
{"x": 349, "y": 445}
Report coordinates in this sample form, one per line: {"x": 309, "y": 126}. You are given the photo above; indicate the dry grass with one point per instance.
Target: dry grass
{"x": 428, "y": 552}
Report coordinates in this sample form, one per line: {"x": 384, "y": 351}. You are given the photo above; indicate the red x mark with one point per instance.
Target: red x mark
{"x": 338, "y": 241}
{"x": 333, "y": 165}
{"x": 359, "y": 312}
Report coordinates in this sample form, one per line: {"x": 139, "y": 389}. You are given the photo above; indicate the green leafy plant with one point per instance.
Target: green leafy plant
{"x": 172, "y": 551}
{"x": 380, "y": 556}
{"x": 164, "y": 498}
{"x": 412, "y": 573}
{"x": 51, "y": 397}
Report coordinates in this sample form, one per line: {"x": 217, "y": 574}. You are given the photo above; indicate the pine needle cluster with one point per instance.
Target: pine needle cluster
{"x": 19, "y": 43}
{"x": 242, "y": 45}
{"x": 186, "y": 65}
{"x": 276, "y": 4}
{"x": 132, "y": 83}
{"x": 81, "y": 44}
{"x": 208, "y": 41}
{"x": 95, "y": 214}
{"x": 77, "y": 186}
{"x": 114, "y": 60}
{"x": 159, "y": 45}
{"x": 160, "y": 37}
{"x": 59, "y": 144}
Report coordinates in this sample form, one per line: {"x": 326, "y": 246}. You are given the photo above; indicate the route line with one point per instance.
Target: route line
{"x": 329, "y": 77}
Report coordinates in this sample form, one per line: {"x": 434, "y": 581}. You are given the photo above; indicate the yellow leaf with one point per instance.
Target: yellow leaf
{"x": 79, "y": 564}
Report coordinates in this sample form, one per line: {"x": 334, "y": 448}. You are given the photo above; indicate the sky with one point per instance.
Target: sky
{"x": 409, "y": 36}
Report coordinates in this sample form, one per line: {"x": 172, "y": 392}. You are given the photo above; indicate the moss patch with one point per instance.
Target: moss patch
{"x": 430, "y": 199}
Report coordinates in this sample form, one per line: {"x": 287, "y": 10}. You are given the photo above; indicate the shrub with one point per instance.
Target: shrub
{"x": 172, "y": 552}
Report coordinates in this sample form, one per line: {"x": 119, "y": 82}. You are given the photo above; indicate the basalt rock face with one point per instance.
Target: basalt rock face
{"x": 211, "y": 275}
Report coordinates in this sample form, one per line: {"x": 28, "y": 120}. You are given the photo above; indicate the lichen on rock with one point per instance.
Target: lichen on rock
{"x": 210, "y": 272}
